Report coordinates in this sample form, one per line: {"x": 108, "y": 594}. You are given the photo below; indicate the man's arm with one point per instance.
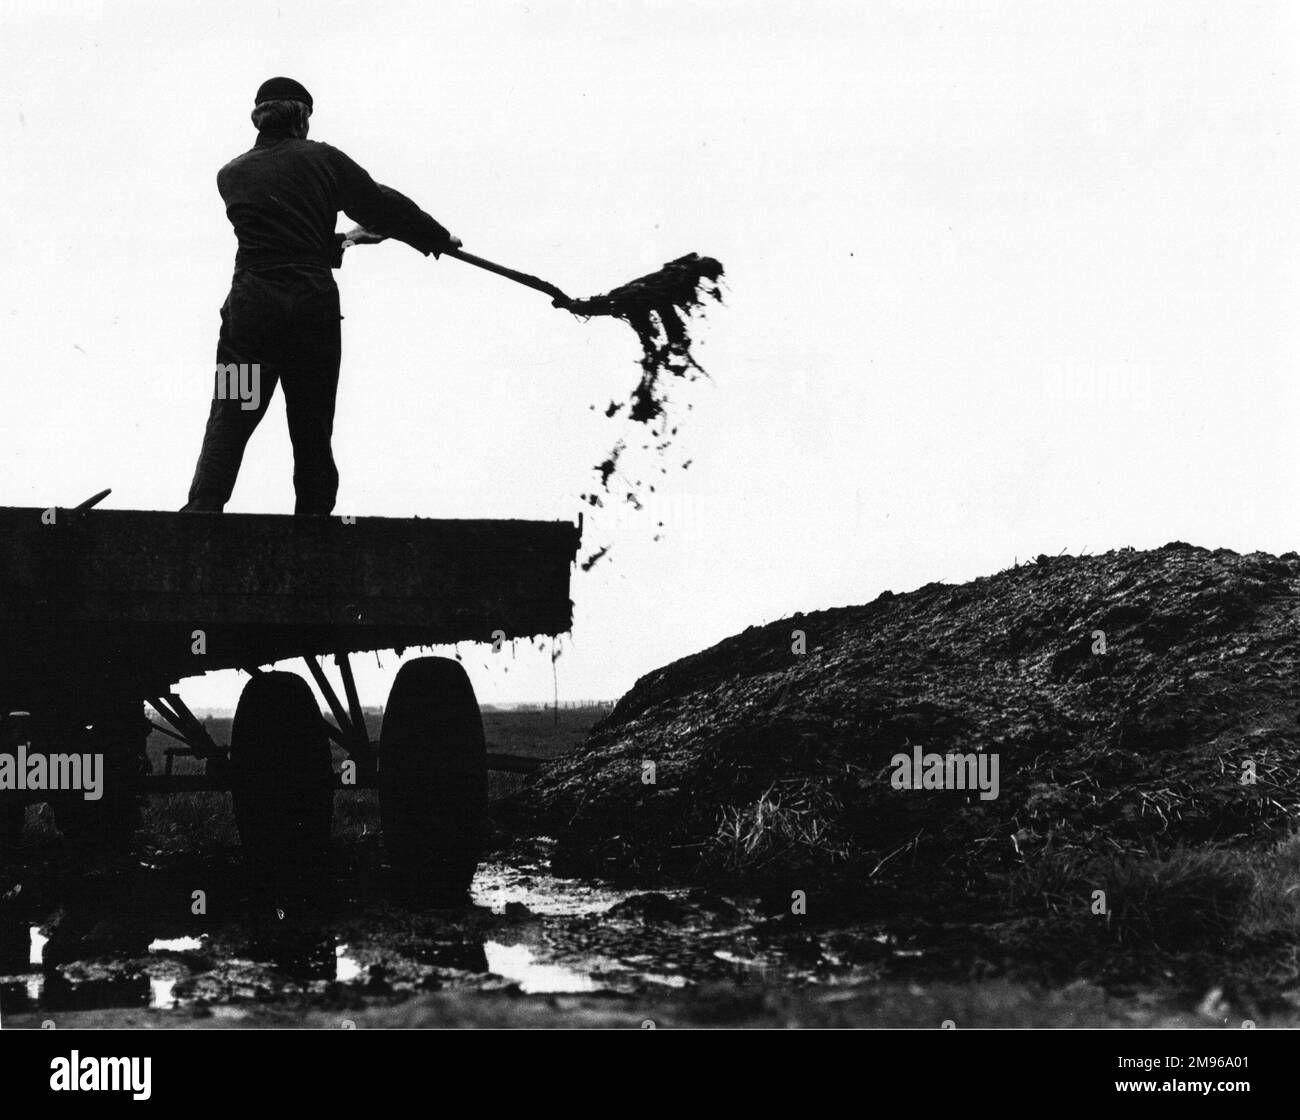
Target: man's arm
{"x": 384, "y": 212}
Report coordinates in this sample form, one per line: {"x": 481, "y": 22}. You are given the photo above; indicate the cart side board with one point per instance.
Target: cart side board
{"x": 132, "y": 601}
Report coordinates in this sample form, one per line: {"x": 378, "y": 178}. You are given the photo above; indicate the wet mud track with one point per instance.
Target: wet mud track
{"x": 119, "y": 947}
{"x": 122, "y": 939}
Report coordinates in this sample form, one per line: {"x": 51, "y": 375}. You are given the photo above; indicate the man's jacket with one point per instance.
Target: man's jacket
{"x": 283, "y": 197}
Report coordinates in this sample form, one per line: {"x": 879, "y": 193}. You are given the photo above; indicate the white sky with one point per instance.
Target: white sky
{"x": 1004, "y": 278}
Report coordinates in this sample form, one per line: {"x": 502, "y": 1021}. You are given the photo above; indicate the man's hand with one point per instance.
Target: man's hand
{"x": 453, "y": 242}
{"x": 359, "y": 235}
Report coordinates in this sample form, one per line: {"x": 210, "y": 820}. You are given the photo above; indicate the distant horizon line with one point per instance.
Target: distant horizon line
{"x": 498, "y": 705}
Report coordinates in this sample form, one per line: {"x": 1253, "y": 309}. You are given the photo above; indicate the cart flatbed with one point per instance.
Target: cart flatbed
{"x": 127, "y": 601}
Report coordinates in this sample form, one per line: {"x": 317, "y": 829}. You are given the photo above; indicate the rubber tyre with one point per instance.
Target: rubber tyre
{"x": 282, "y": 782}
{"x": 433, "y": 780}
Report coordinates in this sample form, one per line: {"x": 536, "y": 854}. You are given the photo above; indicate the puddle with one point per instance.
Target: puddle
{"x": 175, "y": 944}
{"x": 36, "y": 955}
{"x": 161, "y": 994}
{"x": 665, "y": 980}
{"x": 520, "y": 964}
{"x": 346, "y": 968}
{"x": 498, "y": 885}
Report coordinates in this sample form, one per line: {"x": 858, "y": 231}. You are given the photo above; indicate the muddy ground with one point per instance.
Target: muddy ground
{"x": 531, "y": 950}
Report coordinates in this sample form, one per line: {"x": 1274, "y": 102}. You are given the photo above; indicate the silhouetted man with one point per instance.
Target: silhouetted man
{"x": 281, "y": 319}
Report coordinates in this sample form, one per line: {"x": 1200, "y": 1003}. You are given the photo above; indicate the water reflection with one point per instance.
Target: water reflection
{"x": 346, "y": 968}
{"x": 161, "y": 993}
{"x": 520, "y": 964}
{"x": 176, "y": 944}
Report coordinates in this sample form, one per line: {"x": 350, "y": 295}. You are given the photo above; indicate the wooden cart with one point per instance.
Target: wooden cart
{"x": 102, "y": 610}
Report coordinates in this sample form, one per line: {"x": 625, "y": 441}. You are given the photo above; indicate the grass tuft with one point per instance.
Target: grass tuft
{"x": 1188, "y": 898}
{"x": 788, "y": 827}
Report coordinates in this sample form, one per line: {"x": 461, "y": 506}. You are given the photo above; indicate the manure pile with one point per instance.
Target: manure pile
{"x": 1125, "y": 696}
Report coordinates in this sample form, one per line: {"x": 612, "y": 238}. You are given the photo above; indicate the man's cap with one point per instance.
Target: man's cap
{"x": 282, "y": 89}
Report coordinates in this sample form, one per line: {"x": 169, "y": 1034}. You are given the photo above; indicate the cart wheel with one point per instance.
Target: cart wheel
{"x": 282, "y": 781}
{"x": 110, "y": 823}
{"x": 433, "y": 779}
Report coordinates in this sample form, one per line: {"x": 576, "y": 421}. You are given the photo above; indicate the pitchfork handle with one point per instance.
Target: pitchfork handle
{"x": 561, "y": 300}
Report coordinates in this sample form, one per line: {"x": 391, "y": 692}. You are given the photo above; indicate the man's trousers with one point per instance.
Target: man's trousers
{"x": 278, "y": 325}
